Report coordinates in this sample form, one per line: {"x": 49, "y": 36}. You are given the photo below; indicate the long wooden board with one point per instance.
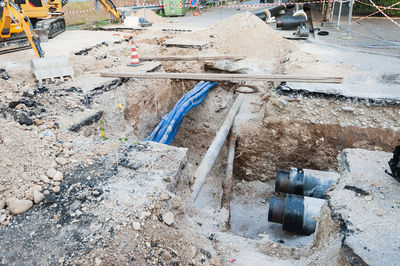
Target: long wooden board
{"x": 191, "y": 57}
{"x": 228, "y": 77}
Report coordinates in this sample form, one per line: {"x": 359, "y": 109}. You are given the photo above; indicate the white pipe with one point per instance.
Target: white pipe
{"x": 212, "y": 153}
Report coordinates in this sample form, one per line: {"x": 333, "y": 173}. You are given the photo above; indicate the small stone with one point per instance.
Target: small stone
{"x": 51, "y": 172}
{"x": 164, "y": 196}
{"x": 177, "y": 202}
{"x": 2, "y": 204}
{"x": 56, "y": 189}
{"x": 45, "y": 179}
{"x": 368, "y": 198}
{"x": 284, "y": 103}
{"x": 58, "y": 176}
{"x": 168, "y": 218}
{"x": 136, "y": 225}
{"x": 37, "y": 197}
{"x": 348, "y": 109}
{"x": 98, "y": 261}
{"x": 61, "y": 160}
{"x": 191, "y": 252}
{"x": 206, "y": 253}
{"x": 379, "y": 214}
{"x": 17, "y": 206}
{"x": 46, "y": 192}
{"x": 3, "y": 217}
{"x": 144, "y": 215}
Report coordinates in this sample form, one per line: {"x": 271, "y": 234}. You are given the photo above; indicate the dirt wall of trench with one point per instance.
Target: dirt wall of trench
{"x": 282, "y": 144}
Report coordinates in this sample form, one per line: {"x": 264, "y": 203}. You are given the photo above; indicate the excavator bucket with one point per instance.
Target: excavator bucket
{"x": 51, "y": 67}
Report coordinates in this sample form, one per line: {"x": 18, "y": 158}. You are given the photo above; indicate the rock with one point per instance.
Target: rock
{"x": 48, "y": 133}
{"x": 191, "y": 252}
{"x": 168, "y": 218}
{"x": 3, "y": 217}
{"x": 17, "y": 206}
{"x": 136, "y": 225}
{"x": 206, "y": 253}
{"x": 37, "y": 197}
{"x": 177, "y": 202}
{"x": 2, "y": 204}
{"x": 61, "y": 160}
{"x": 284, "y": 102}
{"x": 164, "y": 196}
{"x": 58, "y": 176}
{"x": 45, "y": 179}
{"x": 51, "y": 172}
{"x": 348, "y": 109}
{"x": 98, "y": 261}
{"x": 144, "y": 215}
{"x": 56, "y": 189}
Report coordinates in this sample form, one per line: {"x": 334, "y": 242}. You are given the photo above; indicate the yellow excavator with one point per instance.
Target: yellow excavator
{"x": 45, "y": 19}
{"x": 12, "y": 25}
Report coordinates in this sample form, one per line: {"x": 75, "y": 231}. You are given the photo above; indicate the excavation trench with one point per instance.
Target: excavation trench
{"x": 264, "y": 144}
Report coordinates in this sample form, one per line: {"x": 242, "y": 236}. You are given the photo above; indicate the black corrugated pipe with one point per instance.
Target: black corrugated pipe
{"x": 288, "y": 23}
{"x": 304, "y": 182}
{"x": 297, "y": 214}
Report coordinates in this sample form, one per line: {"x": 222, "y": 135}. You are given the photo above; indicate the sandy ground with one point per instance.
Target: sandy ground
{"x": 72, "y": 160}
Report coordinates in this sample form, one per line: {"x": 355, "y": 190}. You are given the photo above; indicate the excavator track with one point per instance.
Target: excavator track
{"x": 14, "y": 44}
{"x": 53, "y": 26}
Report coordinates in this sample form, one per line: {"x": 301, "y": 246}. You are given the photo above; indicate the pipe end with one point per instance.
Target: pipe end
{"x": 282, "y": 181}
{"x": 276, "y": 210}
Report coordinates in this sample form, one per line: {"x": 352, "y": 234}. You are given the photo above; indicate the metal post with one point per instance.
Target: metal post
{"x": 349, "y": 18}
{"x": 339, "y": 14}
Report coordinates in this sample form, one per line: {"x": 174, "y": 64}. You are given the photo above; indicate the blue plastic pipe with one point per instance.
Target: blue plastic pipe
{"x": 168, "y": 127}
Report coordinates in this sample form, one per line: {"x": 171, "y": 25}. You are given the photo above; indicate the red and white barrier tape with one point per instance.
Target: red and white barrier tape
{"x": 388, "y": 7}
{"x": 187, "y": 5}
{"x": 383, "y": 13}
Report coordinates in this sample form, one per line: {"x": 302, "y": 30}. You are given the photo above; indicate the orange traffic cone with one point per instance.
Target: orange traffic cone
{"x": 134, "y": 57}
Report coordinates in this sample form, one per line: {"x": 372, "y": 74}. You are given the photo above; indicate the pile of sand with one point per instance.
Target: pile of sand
{"x": 245, "y": 34}
{"x": 150, "y": 16}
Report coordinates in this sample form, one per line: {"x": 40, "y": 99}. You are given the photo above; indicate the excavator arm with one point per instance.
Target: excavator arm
{"x": 10, "y": 11}
{"x": 111, "y": 8}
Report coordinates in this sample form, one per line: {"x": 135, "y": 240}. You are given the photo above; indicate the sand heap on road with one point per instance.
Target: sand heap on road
{"x": 150, "y": 16}
{"x": 245, "y": 34}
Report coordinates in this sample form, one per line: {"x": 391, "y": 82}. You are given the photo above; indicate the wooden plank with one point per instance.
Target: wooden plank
{"x": 228, "y": 77}
{"x": 191, "y": 57}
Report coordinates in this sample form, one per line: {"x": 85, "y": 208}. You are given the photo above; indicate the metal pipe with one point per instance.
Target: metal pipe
{"x": 305, "y": 182}
{"x": 291, "y": 22}
{"x": 270, "y": 12}
{"x": 349, "y": 17}
{"x": 297, "y": 214}
{"x": 212, "y": 153}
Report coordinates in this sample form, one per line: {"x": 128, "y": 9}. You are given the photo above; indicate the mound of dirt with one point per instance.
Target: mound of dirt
{"x": 247, "y": 35}
{"x": 150, "y": 16}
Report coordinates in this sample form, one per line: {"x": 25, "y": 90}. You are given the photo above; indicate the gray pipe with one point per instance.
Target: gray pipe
{"x": 212, "y": 153}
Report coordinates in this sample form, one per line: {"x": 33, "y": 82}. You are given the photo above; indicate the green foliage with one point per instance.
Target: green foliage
{"x": 364, "y": 10}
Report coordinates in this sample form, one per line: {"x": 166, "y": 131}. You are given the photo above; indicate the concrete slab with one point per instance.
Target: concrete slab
{"x": 366, "y": 200}
{"x": 371, "y": 72}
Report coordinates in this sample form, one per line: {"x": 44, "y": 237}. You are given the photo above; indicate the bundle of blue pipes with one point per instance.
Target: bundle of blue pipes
{"x": 167, "y": 129}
